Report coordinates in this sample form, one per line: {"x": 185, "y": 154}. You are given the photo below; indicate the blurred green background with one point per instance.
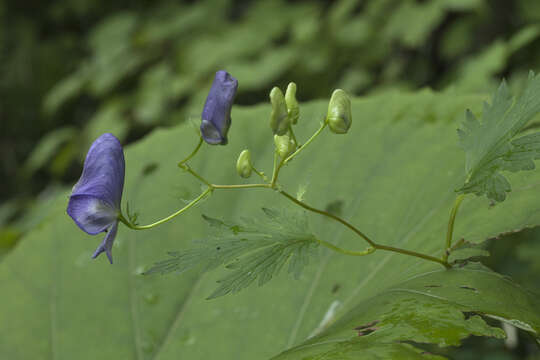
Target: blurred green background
{"x": 73, "y": 69}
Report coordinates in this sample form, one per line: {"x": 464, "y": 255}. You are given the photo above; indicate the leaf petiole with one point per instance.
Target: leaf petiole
{"x": 450, "y": 230}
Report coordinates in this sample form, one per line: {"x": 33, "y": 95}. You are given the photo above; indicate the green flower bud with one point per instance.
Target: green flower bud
{"x": 284, "y": 145}
{"x": 339, "y": 116}
{"x": 292, "y": 103}
{"x": 243, "y": 164}
{"x": 279, "y": 119}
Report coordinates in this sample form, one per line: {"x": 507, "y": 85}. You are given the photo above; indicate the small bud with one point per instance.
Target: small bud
{"x": 279, "y": 118}
{"x": 284, "y": 145}
{"x": 243, "y": 164}
{"x": 339, "y": 116}
{"x": 292, "y": 103}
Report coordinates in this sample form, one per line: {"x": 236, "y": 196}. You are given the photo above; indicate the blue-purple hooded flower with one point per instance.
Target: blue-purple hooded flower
{"x": 95, "y": 200}
{"x": 216, "y": 114}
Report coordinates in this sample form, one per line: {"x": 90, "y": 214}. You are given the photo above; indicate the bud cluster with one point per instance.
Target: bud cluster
{"x": 285, "y": 113}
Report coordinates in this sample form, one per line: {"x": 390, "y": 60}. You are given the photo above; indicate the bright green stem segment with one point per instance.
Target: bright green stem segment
{"x": 193, "y": 153}
{"x": 170, "y": 217}
{"x": 310, "y": 140}
{"x": 450, "y": 230}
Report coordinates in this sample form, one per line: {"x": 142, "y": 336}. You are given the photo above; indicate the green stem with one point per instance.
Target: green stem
{"x": 240, "y": 186}
{"x": 362, "y": 235}
{"x": 346, "y": 252}
{"x": 187, "y": 168}
{"x": 276, "y": 170}
{"x": 450, "y": 230}
{"x": 327, "y": 214}
{"x": 193, "y": 153}
{"x": 414, "y": 253}
{"x": 164, "y": 220}
{"x": 272, "y": 185}
{"x": 260, "y": 173}
{"x": 310, "y": 140}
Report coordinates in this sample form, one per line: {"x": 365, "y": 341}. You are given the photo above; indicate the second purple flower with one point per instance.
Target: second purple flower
{"x": 216, "y": 114}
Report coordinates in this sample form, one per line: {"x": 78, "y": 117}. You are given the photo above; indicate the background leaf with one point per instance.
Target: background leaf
{"x": 397, "y": 170}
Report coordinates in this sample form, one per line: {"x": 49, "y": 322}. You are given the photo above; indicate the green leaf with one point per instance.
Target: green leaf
{"x": 493, "y": 144}
{"x": 440, "y": 307}
{"x": 394, "y": 173}
{"x": 255, "y": 249}
{"x": 463, "y": 250}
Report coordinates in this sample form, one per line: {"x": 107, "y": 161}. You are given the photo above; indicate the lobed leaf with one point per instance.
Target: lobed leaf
{"x": 493, "y": 144}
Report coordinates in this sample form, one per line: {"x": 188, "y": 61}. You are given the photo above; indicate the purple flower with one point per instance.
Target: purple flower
{"x": 94, "y": 203}
{"x": 216, "y": 115}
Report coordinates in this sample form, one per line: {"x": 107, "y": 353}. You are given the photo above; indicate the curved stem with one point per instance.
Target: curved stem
{"x": 362, "y": 235}
{"x": 450, "y": 230}
{"x": 327, "y": 214}
{"x": 346, "y": 252}
{"x": 272, "y": 185}
{"x": 193, "y": 153}
{"x": 164, "y": 220}
{"x": 310, "y": 140}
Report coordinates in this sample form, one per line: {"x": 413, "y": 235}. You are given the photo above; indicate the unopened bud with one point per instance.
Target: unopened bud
{"x": 284, "y": 145}
{"x": 292, "y": 104}
{"x": 339, "y": 116}
{"x": 279, "y": 118}
{"x": 243, "y": 164}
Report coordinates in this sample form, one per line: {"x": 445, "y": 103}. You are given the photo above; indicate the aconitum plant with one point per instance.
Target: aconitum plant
{"x": 256, "y": 250}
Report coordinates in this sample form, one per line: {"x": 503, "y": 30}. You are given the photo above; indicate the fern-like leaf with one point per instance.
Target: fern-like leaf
{"x": 255, "y": 250}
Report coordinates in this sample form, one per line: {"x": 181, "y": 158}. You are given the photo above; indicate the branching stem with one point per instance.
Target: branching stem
{"x": 278, "y": 164}
{"x": 193, "y": 153}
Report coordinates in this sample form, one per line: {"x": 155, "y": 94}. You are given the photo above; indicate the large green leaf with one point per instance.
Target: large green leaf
{"x": 394, "y": 175}
{"x": 438, "y": 307}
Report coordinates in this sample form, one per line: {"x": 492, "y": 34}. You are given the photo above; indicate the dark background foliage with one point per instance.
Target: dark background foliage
{"x": 73, "y": 69}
